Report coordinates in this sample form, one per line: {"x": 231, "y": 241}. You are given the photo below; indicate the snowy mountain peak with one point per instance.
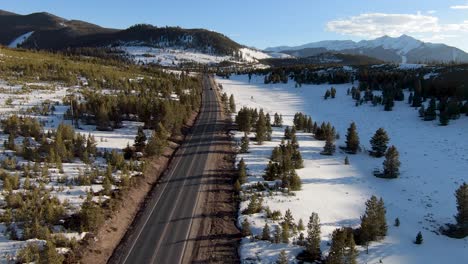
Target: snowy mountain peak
{"x": 402, "y": 44}
{"x": 386, "y": 48}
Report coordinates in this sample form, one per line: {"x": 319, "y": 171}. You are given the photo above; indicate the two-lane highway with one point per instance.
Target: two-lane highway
{"x": 161, "y": 233}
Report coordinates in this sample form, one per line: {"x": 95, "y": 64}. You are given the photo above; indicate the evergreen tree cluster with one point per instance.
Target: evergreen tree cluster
{"x": 343, "y": 247}
{"x": 276, "y": 76}
{"x": 460, "y": 228}
{"x": 324, "y": 131}
{"x": 139, "y": 101}
{"x": 304, "y": 74}
{"x": 285, "y": 159}
{"x": 34, "y": 210}
{"x": 330, "y": 93}
{"x": 61, "y": 145}
{"x": 48, "y": 254}
{"x": 158, "y": 141}
{"x": 255, "y": 205}
{"x": 249, "y": 119}
{"x": 277, "y": 120}
{"x": 303, "y": 122}
{"x": 373, "y": 222}
{"x": 449, "y": 92}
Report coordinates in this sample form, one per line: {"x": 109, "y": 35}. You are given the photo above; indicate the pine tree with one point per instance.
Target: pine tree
{"x": 278, "y": 120}
{"x": 337, "y": 248}
{"x": 261, "y": 128}
{"x": 102, "y": 118}
{"x": 244, "y": 119}
{"x": 392, "y": 163}
{"x": 300, "y": 225}
{"x": 300, "y": 239}
{"x": 49, "y": 255}
{"x": 106, "y": 186}
{"x": 388, "y": 104}
{"x": 287, "y": 133}
{"x": 266, "y": 232}
{"x": 352, "y": 139}
{"x": 346, "y": 160}
{"x": 293, "y": 180}
{"x": 237, "y": 186}
{"x": 430, "y": 112}
{"x": 245, "y": 144}
{"x": 444, "y": 118}
{"x": 140, "y": 140}
{"x": 277, "y": 235}
{"x": 255, "y": 205}
{"x": 246, "y": 228}
{"x": 157, "y": 141}
{"x": 310, "y": 125}
{"x": 417, "y": 93}
{"x": 461, "y": 217}
{"x": 351, "y": 253}
{"x": 313, "y": 238}
{"x": 381, "y": 218}
{"x": 282, "y": 258}
{"x": 453, "y": 109}
{"x": 422, "y": 111}
{"x": 91, "y": 215}
{"x": 373, "y": 222}
{"x": 419, "y": 239}
{"x": 268, "y": 127}
{"x": 288, "y": 218}
{"x": 329, "y": 148}
{"x": 285, "y": 234}
{"x": 333, "y": 92}
{"x": 410, "y": 98}
{"x": 242, "y": 170}
{"x": 232, "y": 104}
{"x": 379, "y": 143}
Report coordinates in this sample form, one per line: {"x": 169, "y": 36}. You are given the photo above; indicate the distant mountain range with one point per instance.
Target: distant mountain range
{"x": 50, "y": 32}
{"x": 403, "y": 49}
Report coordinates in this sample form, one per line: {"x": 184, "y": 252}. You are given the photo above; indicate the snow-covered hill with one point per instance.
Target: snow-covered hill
{"x": 175, "y": 56}
{"x": 402, "y": 49}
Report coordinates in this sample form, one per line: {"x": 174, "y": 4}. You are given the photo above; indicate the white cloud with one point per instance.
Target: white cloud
{"x": 379, "y": 24}
{"x": 431, "y": 12}
{"x": 460, "y": 6}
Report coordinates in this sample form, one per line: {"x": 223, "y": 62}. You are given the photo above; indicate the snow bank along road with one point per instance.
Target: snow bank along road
{"x": 161, "y": 233}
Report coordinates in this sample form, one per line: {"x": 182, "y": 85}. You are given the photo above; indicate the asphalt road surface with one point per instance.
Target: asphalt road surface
{"x": 161, "y": 233}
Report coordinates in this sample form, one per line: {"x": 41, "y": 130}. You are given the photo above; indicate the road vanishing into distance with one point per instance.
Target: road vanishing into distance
{"x": 161, "y": 233}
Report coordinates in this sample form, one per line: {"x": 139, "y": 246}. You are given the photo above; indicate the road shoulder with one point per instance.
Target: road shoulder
{"x": 214, "y": 236}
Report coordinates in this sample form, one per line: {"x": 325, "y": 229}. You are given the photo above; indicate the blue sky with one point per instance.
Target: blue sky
{"x": 264, "y": 23}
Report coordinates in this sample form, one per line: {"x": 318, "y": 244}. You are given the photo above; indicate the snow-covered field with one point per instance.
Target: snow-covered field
{"x": 434, "y": 164}
{"x": 173, "y": 57}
